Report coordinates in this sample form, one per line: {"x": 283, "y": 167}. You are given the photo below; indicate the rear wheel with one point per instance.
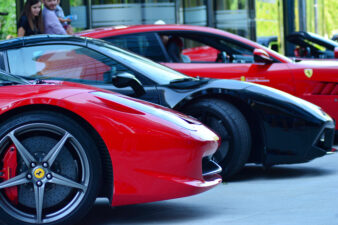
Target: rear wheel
{"x": 50, "y": 169}
{"x": 229, "y": 123}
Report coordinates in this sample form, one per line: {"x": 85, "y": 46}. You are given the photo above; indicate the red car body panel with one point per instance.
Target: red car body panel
{"x": 314, "y": 81}
{"x": 152, "y": 159}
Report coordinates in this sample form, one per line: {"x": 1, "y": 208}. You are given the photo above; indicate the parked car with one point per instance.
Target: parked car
{"x": 63, "y": 144}
{"x": 255, "y": 123}
{"x": 217, "y": 54}
{"x": 313, "y": 46}
{"x": 270, "y": 42}
{"x": 335, "y": 37}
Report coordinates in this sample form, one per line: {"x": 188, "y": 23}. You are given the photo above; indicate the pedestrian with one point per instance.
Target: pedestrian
{"x": 51, "y": 22}
{"x": 63, "y": 20}
{"x": 31, "y": 22}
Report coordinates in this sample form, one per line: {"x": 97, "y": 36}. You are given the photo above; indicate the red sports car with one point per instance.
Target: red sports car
{"x": 64, "y": 144}
{"x": 209, "y": 52}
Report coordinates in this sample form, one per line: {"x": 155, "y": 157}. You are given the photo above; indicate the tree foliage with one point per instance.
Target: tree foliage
{"x": 7, "y": 23}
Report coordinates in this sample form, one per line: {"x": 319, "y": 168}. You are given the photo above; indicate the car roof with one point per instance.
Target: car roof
{"x": 124, "y": 30}
{"x": 40, "y": 39}
{"x": 120, "y": 30}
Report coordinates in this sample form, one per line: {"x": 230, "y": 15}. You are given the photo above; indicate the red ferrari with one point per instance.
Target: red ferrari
{"x": 208, "y": 52}
{"x": 64, "y": 144}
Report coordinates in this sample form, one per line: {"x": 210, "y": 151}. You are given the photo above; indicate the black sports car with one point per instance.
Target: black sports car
{"x": 256, "y": 123}
{"x": 313, "y": 46}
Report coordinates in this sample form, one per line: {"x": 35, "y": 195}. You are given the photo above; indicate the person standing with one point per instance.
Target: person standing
{"x": 30, "y": 22}
{"x": 51, "y": 22}
{"x": 63, "y": 20}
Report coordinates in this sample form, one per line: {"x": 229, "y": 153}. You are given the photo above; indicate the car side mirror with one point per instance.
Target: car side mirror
{"x": 261, "y": 56}
{"x": 336, "y": 52}
{"x": 125, "y": 79}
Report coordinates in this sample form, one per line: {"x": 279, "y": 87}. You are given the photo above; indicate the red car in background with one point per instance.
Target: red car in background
{"x": 64, "y": 144}
{"x": 209, "y": 52}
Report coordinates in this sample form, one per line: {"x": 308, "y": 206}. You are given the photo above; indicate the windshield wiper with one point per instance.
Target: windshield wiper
{"x": 7, "y": 83}
{"x": 180, "y": 80}
{"x": 189, "y": 82}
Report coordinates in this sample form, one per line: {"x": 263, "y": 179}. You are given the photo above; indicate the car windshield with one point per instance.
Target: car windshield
{"x": 6, "y": 79}
{"x": 154, "y": 71}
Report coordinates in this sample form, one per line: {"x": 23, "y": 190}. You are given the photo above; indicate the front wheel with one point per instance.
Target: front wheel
{"x": 50, "y": 169}
{"x": 231, "y": 126}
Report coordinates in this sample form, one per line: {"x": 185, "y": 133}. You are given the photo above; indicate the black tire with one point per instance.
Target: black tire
{"x": 229, "y": 123}
{"x": 65, "y": 187}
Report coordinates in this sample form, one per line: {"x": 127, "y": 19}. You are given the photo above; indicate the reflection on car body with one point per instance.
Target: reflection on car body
{"x": 63, "y": 144}
{"x": 255, "y": 123}
{"x": 218, "y": 54}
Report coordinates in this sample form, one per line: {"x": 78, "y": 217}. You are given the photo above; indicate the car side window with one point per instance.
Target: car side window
{"x": 65, "y": 62}
{"x": 145, "y": 44}
{"x": 2, "y": 61}
{"x": 209, "y": 49}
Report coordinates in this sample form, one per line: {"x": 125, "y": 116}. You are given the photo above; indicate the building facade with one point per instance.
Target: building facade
{"x": 248, "y": 18}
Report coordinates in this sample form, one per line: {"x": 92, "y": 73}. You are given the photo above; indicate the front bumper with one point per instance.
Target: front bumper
{"x": 302, "y": 146}
{"x": 324, "y": 141}
{"x": 210, "y": 167}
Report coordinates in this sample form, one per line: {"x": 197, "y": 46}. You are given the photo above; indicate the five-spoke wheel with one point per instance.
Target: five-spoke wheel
{"x": 50, "y": 169}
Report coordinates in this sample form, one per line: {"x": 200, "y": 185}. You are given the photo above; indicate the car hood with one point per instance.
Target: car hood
{"x": 53, "y": 92}
{"x": 256, "y": 92}
{"x": 289, "y": 101}
{"x": 46, "y": 89}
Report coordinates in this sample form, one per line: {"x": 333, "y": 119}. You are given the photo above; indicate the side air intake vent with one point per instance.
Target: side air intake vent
{"x": 325, "y": 88}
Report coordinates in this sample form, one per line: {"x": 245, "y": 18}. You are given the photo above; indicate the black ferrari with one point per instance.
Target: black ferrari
{"x": 256, "y": 124}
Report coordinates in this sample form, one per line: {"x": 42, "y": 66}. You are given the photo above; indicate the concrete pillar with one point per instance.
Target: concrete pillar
{"x": 288, "y": 24}
{"x": 302, "y": 15}
{"x": 88, "y": 4}
{"x": 177, "y": 11}
{"x": 252, "y": 19}
{"x": 19, "y": 8}
{"x": 65, "y": 4}
{"x": 210, "y": 14}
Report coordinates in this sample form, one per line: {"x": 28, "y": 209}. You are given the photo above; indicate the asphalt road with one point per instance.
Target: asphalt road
{"x": 285, "y": 195}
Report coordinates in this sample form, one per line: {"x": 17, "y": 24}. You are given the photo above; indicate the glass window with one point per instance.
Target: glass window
{"x": 195, "y": 12}
{"x": 2, "y": 62}
{"x": 199, "y": 48}
{"x": 66, "y": 62}
{"x": 146, "y": 44}
{"x": 233, "y": 16}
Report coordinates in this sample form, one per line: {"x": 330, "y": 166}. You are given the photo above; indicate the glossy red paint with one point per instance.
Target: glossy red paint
{"x": 315, "y": 81}
{"x": 152, "y": 159}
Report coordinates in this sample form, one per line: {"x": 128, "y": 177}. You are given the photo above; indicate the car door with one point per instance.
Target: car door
{"x": 225, "y": 58}
{"x": 74, "y": 63}
{"x": 208, "y": 55}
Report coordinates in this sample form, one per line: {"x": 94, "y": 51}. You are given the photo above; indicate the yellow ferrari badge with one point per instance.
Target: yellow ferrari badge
{"x": 308, "y": 72}
{"x": 39, "y": 173}
{"x": 242, "y": 78}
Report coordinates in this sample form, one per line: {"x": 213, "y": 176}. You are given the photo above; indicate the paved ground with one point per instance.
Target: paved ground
{"x": 285, "y": 195}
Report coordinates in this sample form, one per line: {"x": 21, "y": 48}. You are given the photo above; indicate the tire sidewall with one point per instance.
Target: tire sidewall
{"x": 86, "y": 142}
{"x": 238, "y": 128}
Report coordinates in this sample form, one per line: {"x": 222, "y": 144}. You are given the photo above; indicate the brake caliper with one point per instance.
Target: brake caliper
{"x": 9, "y": 171}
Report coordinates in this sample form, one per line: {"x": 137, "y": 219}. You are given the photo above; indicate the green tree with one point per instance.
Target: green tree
{"x": 7, "y": 23}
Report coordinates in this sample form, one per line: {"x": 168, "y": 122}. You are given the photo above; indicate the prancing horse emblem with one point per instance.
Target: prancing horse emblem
{"x": 39, "y": 173}
{"x": 308, "y": 72}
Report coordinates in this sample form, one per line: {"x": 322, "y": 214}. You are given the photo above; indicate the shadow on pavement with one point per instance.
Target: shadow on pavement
{"x": 255, "y": 172}
{"x": 149, "y": 213}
